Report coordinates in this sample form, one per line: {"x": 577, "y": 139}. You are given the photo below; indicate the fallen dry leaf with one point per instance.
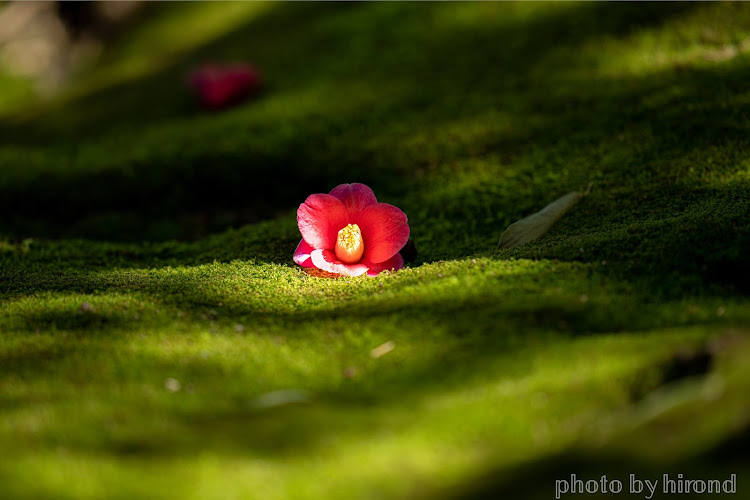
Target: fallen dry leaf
{"x": 537, "y": 224}
{"x": 382, "y": 350}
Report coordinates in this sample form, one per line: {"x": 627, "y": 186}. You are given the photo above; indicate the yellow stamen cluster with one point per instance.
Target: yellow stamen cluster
{"x": 349, "y": 244}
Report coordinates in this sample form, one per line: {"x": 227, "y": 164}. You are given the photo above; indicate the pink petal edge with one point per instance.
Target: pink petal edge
{"x": 393, "y": 264}
{"x": 355, "y": 197}
{"x": 302, "y": 254}
{"x": 385, "y": 231}
{"x": 320, "y": 218}
{"x": 326, "y": 260}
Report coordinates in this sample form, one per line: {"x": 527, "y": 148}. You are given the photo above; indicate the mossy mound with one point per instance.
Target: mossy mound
{"x": 157, "y": 341}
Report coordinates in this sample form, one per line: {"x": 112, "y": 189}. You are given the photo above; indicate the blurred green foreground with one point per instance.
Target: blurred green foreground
{"x": 157, "y": 341}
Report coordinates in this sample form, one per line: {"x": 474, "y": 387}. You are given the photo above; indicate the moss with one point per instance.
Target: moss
{"x": 149, "y": 300}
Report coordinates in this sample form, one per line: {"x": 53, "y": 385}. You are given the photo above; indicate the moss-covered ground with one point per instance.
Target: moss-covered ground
{"x": 157, "y": 341}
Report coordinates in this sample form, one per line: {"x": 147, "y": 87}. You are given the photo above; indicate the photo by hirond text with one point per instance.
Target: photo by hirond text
{"x": 676, "y": 484}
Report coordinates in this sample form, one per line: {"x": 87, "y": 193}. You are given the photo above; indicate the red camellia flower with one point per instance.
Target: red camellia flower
{"x": 348, "y": 232}
{"x": 220, "y": 86}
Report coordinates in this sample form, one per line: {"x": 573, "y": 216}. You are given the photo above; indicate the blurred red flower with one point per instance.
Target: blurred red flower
{"x": 220, "y": 86}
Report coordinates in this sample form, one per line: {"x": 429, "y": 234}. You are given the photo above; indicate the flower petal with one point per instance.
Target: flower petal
{"x": 355, "y": 197}
{"x": 393, "y": 264}
{"x": 385, "y": 231}
{"x": 219, "y": 86}
{"x": 302, "y": 254}
{"x": 326, "y": 260}
{"x": 319, "y": 219}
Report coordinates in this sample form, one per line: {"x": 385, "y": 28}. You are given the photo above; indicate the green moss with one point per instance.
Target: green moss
{"x": 149, "y": 300}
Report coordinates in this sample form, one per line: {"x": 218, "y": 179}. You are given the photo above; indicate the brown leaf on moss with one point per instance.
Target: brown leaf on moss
{"x": 536, "y": 225}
